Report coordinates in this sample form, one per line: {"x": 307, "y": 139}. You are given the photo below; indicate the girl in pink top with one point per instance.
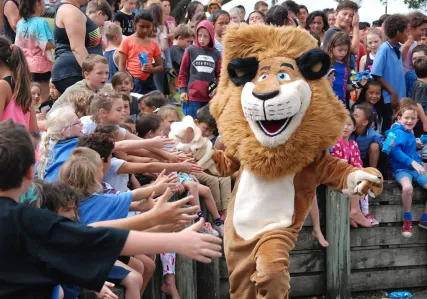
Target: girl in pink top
{"x": 15, "y": 98}
{"x": 348, "y": 151}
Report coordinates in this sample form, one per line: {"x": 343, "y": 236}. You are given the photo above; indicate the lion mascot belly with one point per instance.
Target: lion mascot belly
{"x": 278, "y": 117}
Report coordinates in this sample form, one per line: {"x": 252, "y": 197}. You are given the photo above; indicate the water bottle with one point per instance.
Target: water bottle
{"x": 386, "y": 146}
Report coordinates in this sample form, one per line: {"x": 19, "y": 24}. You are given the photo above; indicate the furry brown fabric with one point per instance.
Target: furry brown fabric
{"x": 321, "y": 125}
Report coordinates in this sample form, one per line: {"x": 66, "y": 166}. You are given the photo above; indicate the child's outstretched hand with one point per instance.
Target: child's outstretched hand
{"x": 172, "y": 212}
{"x": 188, "y": 166}
{"x": 197, "y": 246}
{"x": 106, "y": 293}
{"x": 159, "y": 142}
{"x": 162, "y": 184}
{"x": 177, "y": 157}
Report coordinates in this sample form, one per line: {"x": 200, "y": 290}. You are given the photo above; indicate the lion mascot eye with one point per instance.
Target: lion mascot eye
{"x": 313, "y": 65}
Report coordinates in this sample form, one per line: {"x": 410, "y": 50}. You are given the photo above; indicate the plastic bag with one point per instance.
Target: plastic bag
{"x": 400, "y": 295}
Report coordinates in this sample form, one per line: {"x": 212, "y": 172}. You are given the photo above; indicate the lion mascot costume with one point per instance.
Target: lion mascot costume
{"x": 278, "y": 117}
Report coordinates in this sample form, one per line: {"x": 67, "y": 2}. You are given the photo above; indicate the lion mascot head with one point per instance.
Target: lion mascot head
{"x": 275, "y": 110}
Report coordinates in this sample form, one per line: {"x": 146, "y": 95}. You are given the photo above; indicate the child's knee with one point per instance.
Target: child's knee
{"x": 204, "y": 191}
{"x": 133, "y": 279}
{"x": 407, "y": 188}
{"x": 149, "y": 265}
{"x": 191, "y": 186}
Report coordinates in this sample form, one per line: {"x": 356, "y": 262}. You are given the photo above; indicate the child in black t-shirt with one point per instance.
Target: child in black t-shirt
{"x": 183, "y": 38}
{"x": 124, "y": 17}
{"x": 86, "y": 255}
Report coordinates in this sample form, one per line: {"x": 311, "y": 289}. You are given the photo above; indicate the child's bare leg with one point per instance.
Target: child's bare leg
{"x": 149, "y": 268}
{"x": 374, "y": 154}
{"x": 169, "y": 285}
{"x": 61, "y": 293}
{"x": 192, "y": 188}
{"x": 315, "y": 219}
{"x": 356, "y": 214}
{"x": 132, "y": 282}
{"x": 407, "y": 190}
{"x": 209, "y": 201}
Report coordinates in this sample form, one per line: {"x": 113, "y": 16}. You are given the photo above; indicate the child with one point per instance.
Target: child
{"x": 35, "y": 38}
{"x": 196, "y": 76}
{"x": 126, "y": 104}
{"x": 371, "y": 96}
{"x": 374, "y": 39}
{"x": 182, "y": 39}
{"x": 125, "y": 17}
{"x": 46, "y": 230}
{"x": 220, "y": 20}
{"x": 387, "y": 67}
{"x": 130, "y": 123}
{"x": 35, "y": 94}
{"x": 338, "y": 49}
{"x": 411, "y": 76}
{"x": 368, "y": 140}
{"x": 346, "y": 20}
{"x": 235, "y": 15}
{"x": 151, "y": 102}
{"x": 417, "y": 28}
{"x": 213, "y": 7}
{"x": 169, "y": 20}
{"x": 15, "y": 98}
{"x": 113, "y": 34}
{"x": 45, "y": 107}
{"x": 257, "y": 17}
{"x": 219, "y": 186}
{"x": 99, "y": 11}
{"x": 406, "y": 163}
{"x": 138, "y": 43}
{"x": 261, "y": 6}
{"x": 348, "y": 151}
{"x": 150, "y": 125}
{"x": 122, "y": 82}
{"x": 419, "y": 93}
{"x": 95, "y": 72}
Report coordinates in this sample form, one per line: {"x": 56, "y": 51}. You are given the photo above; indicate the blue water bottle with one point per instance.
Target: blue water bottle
{"x": 386, "y": 146}
{"x": 143, "y": 58}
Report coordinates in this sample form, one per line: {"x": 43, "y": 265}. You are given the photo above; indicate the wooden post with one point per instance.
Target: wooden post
{"x": 338, "y": 251}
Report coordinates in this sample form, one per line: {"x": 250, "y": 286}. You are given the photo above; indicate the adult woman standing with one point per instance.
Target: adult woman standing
{"x": 76, "y": 36}
{"x": 317, "y": 23}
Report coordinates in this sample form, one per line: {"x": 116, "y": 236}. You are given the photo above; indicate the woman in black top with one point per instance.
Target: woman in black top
{"x": 10, "y": 18}
{"x": 76, "y": 36}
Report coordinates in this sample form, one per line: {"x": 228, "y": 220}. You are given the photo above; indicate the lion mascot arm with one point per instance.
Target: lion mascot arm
{"x": 351, "y": 181}
{"x": 213, "y": 161}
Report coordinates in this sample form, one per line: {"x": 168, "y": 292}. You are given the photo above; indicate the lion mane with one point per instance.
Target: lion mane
{"x": 321, "y": 125}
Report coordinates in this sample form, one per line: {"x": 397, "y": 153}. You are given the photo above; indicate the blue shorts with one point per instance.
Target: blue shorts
{"x": 143, "y": 86}
{"x": 190, "y": 108}
{"x": 399, "y": 174}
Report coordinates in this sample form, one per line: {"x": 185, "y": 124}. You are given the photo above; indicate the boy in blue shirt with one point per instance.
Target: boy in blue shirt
{"x": 406, "y": 164}
{"x": 388, "y": 68}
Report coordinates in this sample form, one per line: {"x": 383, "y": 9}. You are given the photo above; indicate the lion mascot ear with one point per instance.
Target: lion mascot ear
{"x": 314, "y": 64}
{"x": 242, "y": 70}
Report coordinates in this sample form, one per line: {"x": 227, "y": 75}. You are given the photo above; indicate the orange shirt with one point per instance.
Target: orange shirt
{"x": 132, "y": 49}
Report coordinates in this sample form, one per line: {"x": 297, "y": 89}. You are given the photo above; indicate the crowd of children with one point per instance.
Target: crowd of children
{"x": 101, "y": 140}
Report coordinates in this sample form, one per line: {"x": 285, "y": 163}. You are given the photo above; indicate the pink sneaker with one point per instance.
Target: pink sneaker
{"x": 372, "y": 220}
{"x": 208, "y": 229}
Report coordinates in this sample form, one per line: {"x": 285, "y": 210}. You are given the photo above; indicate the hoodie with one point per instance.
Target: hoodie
{"x": 404, "y": 150}
{"x": 200, "y": 66}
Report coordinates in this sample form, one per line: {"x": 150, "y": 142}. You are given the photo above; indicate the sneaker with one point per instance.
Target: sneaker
{"x": 407, "y": 228}
{"x": 372, "y": 220}
{"x": 219, "y": 229}
{"x": 422, "y": 224}
{"x": 207, "y": 229}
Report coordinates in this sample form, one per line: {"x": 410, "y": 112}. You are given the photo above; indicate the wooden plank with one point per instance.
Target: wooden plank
{"x": 186, "y": 277}
{"x": 394, "y": 213}
{"x": 384, "y": 258}
{"x": 306, "y": 241}
{"x": 388, "y": 279}
{"x": 307, "y": 262}
{"x": 208, "y": 285}
{"x": 224, "y": 289}
{"x": 152, "y": 291}
{"x": 392, "y": 194}
{"x": 309, "y": 285}
{"x": 338, "y": 251}
{"x": 223, "y": 270}
{"x": 390, "y": 235}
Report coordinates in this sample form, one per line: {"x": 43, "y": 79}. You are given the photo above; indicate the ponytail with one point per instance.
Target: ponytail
{"x": 12, "y": 57}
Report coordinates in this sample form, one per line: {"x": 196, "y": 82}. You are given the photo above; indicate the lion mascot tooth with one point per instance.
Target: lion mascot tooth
{"x": 278, "y": 117}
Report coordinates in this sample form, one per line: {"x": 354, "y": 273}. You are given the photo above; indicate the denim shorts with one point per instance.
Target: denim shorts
{"x": 399, "y": 174}
{"x": 190, "y": 108}
{"x": 143, "y": 86}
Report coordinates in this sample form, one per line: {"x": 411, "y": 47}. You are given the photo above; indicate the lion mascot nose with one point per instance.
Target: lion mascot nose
{"x": 265, "y": 96}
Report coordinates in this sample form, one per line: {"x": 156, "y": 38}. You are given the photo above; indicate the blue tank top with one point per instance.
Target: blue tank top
{"x": 112, "y": 66}
{"x": 66, "y": 65}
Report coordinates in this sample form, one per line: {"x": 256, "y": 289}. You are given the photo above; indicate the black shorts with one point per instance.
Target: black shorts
{"x": 43, "y": 77}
